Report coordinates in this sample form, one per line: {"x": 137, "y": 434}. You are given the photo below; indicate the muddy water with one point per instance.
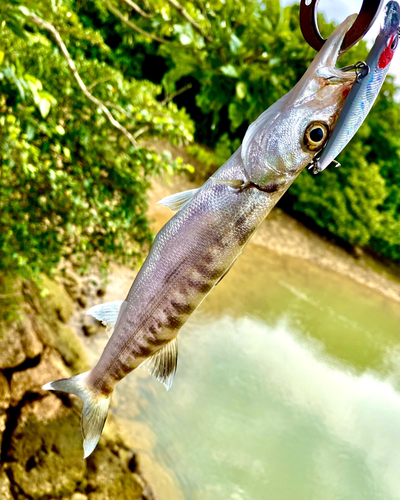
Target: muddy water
{"x": 287, "y": 388}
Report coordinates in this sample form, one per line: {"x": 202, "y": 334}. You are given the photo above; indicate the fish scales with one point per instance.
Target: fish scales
{"x": 187, "y": 259}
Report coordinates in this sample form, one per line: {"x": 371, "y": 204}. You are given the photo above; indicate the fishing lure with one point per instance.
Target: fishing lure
{"x": 364, "y": 92}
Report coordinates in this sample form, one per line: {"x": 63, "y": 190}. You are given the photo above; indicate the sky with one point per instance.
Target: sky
{"x": 338, "y": 10}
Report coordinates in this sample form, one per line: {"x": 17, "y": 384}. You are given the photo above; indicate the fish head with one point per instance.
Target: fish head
{"x": 287, "y": 136}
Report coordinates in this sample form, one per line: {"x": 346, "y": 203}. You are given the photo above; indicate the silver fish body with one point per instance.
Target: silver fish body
{"x": 365, "y": 91}
{"x": 197, "y": 247}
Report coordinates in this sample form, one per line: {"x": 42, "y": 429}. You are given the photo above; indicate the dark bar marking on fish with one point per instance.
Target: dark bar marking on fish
{"x": 202, "y": 269}
{"x": 243, "y": 237}
{"x": 155, "y": 341}
{"x": 182, "y": 308}
{"x": 217, "y": 273}
{"x": 174, "y": 322}
{"x": 153, "y": 329}
{"x": 201, "y": 286}
{"x": 218, "y": 241}
{"x": 208, "y": 258}
{"x": 240, "y": 221}
{"x": 143, "y": 351}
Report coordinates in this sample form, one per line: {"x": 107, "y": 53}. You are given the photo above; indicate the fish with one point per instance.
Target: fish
{"x": 193, "y": 252}
{"x": 366, "y": 89}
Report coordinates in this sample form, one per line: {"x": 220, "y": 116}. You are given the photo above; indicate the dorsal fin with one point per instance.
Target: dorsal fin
{"x": 108, "y": 314}
{"x": 162, "y": 365}
{"x": 177, "y": 200}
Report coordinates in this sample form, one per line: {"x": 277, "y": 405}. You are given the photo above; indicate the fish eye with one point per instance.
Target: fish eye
{"x": 394, "y": 43}
{"x": 316, "y": 135}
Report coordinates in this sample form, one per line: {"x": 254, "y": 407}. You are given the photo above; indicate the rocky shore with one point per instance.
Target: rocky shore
{"x": 41, "y": 444}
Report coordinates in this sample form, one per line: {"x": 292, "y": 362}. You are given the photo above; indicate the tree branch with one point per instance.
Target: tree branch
{"x": 174, "y": 94}
{"x": 137, "y": 8}
{"x": 119, "y": 14}
{"x": 184, "y": 13}
{"x": 41, "y": 23}
{"x": 141, "y": 131}
{"x": 100, "y": 80}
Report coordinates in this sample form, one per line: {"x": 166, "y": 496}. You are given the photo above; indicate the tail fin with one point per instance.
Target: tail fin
{"x": 94, "y": 412}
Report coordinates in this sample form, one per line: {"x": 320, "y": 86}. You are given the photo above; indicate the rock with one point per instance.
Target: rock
{"x": 90, "y": 325}
{"x": 51, "y": 367}
{"x": 3, "y": 421}
{"x": 5, "y": 493}
{"x": 82, "y": 301}
{"x": 5, "y": 396}
{"x": 57, "y": 299}
{"x": 65, "y": 341}
{"x": 79, "y": 496}
{"x": 45, "y": 453}
{"x": 91, "y": 285}
{"x": 109, "y": 477}
{"x": 72, "y": 283}
{"x": 71, "y": 349}
{"x": 11, "y": 351}
{"x": 29, "y": 340}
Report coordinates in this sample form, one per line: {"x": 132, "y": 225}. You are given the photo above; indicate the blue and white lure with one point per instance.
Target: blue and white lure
{"x": 365, "y": 90}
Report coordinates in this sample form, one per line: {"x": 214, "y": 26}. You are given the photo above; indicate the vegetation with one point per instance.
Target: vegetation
{"x": 70, "y": 180}
{"x": 73, "y": 177}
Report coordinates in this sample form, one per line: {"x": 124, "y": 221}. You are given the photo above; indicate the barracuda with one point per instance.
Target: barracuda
{"x": 198, "y": 246}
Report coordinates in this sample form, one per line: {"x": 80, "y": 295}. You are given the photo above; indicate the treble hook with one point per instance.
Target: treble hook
{"x": 309, "y": 25}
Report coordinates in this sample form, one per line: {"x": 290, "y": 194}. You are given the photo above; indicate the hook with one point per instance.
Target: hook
{"x": 309, "y": 25}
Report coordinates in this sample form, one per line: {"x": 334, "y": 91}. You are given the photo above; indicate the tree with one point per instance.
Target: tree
{"x": 71, "y": 177}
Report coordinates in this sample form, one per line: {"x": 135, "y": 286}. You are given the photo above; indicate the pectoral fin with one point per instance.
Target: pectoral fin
{"x": 108, "y": 314}
{"x": 177, "y": 200}
{"x": 162, "y": 365}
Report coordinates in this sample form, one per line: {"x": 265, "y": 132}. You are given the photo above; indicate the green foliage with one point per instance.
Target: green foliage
{"x": 70, "y": 181}
{"x": 73, "y": 182}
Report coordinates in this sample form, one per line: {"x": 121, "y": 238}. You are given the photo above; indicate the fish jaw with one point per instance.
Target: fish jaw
{"x": 274, "y": 148}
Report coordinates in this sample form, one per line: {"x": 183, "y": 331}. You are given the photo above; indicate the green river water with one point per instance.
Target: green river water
{"x": 287, "y": 389}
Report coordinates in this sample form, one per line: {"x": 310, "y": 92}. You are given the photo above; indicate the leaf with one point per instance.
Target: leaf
{"x": 44, "y": 107}
{"x": 30, "y": 132}
{"x": 234, "y": 43}
{"x": 60, "y": 129}
{"x": 229, "y": 70}
{"x": 241, "y": 90}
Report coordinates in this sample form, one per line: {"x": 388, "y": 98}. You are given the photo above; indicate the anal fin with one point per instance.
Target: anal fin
{"x": 162, "y": 365}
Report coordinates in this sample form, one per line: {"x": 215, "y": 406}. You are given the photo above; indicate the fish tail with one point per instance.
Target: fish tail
{"x": 95, "y": 408}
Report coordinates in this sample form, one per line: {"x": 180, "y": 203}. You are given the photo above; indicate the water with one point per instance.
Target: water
{"x": 287, "y": 389}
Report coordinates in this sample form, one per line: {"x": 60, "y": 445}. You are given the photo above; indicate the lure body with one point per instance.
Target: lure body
{"x": 365, "y": 91}
{"x": 197, "y": 247}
